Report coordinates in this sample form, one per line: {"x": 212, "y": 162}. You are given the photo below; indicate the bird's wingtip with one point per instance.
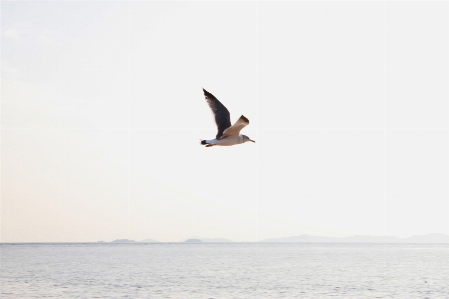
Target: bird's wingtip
{"x": 244, "y": 118}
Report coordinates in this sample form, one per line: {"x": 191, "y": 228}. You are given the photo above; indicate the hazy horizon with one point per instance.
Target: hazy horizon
{"x": 425, "y": 239}
{"x": 102, "y": 110}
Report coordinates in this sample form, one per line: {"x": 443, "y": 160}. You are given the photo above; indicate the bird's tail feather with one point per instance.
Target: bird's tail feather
{"x": 203, "y": 142}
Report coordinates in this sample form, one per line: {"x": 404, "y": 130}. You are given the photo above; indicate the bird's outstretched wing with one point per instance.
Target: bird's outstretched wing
{"x": 234, "y": 130}
{"x": 221, "y": 113}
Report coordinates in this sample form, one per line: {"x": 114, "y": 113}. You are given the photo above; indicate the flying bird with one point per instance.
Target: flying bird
{"x": 226, "y": 134}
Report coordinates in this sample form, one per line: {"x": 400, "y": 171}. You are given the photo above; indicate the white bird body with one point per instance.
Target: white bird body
{"x": 231, "y": 140}
{"x": 226, "y": 135}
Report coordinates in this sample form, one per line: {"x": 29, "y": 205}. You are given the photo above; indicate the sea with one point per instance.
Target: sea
{"x": 224, "y": 270}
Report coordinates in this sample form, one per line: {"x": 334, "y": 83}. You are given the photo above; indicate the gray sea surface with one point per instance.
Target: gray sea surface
{"x": 231, "y": 270}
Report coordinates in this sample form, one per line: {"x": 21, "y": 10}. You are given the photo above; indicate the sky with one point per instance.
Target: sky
{"x": 102, "y": 111}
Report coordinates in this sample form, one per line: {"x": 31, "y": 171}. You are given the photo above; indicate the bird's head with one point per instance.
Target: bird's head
{"x": 246, "y": 139}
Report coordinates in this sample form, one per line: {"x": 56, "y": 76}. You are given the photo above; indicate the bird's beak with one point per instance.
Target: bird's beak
{"x": 252, "y": 141}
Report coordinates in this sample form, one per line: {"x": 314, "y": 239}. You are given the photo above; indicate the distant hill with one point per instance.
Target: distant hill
{"x": 123, "y": 241}
{"x": 429, "y": 238}
{"x": 208, "y": 240}
{"x": 193, "y": 241}
{"x": 148, "y": 241}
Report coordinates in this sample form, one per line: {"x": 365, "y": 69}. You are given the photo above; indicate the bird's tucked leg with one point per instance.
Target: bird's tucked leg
{"x": 209, "y": 145}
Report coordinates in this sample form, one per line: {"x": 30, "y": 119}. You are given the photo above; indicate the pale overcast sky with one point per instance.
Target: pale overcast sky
{"x": 102, "y": 111}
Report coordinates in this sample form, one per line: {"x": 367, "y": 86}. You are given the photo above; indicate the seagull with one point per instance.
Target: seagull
{"x": 226, "y": 134}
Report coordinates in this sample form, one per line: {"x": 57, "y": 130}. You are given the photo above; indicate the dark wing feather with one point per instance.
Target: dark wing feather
{"x": 221, "y": 113}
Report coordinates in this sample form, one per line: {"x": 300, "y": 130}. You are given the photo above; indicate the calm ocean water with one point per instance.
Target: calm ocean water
{"x": 241, "y": 270}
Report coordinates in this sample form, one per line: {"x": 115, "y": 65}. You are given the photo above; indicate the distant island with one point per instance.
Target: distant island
{"x": 429, "y": 238}
{"x": 123, "y": 241}
{"x": 193, "y": 241}
{"x": 423, "y": 239}
{"x": 190, "y": 240}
